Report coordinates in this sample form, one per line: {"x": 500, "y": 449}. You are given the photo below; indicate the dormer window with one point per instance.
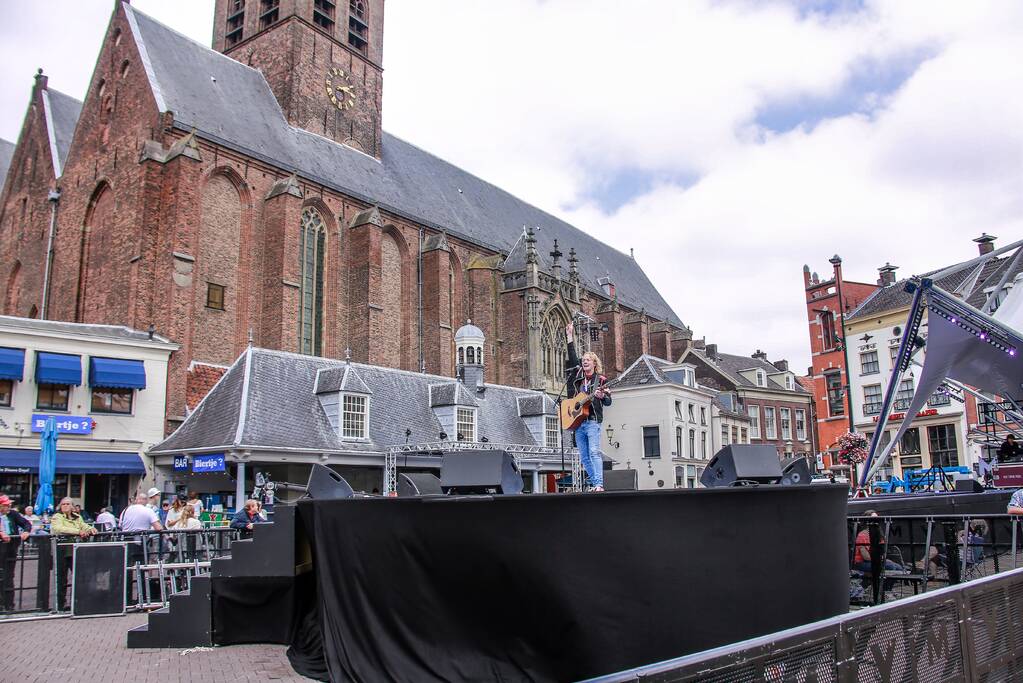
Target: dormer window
{"x": 788, "y": 382}
{"x": 761, "y": 378}
{"x": 552, "y": 431}
{"x": 466, "y": 424}
{"x": 354, "y": 417}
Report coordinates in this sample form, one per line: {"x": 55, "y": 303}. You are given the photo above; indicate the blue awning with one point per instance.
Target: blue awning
{"x": 58, "y": 368}
{"x": 12, "y": 364}
{"x": 117, "y": 373}
{"x": 74, "y": 462}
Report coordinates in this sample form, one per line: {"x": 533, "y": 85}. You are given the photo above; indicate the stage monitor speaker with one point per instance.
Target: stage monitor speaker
{"x": 411, "y": 485}
{"x": 326, "y": 484}
{"x": 621, "y": 480}
{"x": 479, "y": 472}
{"x": 740, "y": 464}
{"x": 795, "y": 472}
{"x": 969, "y": 486}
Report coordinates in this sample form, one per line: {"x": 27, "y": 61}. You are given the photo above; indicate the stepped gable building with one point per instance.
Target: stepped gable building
{"x": 828, "y": 376}
{"x": 777, "y": 405}
{"x": 248, "y": 191}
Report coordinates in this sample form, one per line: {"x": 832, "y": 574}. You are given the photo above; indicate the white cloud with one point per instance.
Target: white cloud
{"x": 547, "y": 98}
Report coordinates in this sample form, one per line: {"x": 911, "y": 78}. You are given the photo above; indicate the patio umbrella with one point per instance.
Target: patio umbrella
{"x": 47, "y": 465}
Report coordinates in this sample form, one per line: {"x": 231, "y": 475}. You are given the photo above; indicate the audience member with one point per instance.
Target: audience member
{"x": 247, "y": 516}
{"x": 196, "y": 502}
{"x": 65, "y": 522}
{"x": 32, "y": 517}
{"x": 153, "y": 494}
{"x": 14, "y": 529}
{"x": 105, "y": 518}
{"x": 140, "y": 516}
{"x": 163, "y": 511}
{"x": 1010, "y": 450}
{"x": 186, "y": 520}
{"x": 861, "y": 556}
{"x": 1015, "y": 506}
{"x": 174, "y": 513}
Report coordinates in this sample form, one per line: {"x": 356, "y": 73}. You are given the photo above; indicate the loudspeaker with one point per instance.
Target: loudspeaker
{"x": 795, "y": 472}
{"x": 326, "y": 484}
{"x": 621, "y": 480}
{"x": 969, "y": 486}
{"x": 411, "y": 485}
{"x": 467, "y": 472}
{"x": 740, "y": 464}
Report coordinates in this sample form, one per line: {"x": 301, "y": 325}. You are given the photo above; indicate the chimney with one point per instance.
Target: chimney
{"x": 985, "y": 243}
{"x": 700, "y": 344}
{"x": 782, "y": 365}
{"x": 760, "y": 355}
{"x": 607, "y": 286}
{"x": 712, "y": 351}
{"x": 887, "y": 274}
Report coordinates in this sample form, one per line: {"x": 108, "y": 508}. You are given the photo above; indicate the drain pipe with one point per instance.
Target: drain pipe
{"x": 54, "y": 198}
{"x": 419, "y": 284}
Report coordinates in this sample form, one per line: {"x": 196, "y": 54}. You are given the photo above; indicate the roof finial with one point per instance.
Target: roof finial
{"x": 348, "y": 355}
{"x": 531, "y": 255}
{"x": 251, "y": 338}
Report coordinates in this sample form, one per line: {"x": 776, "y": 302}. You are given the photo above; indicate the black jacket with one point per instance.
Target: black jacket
{"x": 18, "y": 521}
{"x": 574, "y": 381}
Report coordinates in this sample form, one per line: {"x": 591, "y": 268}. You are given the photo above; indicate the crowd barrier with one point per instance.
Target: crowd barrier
{"x": 967, "y": 632}
{"x": 911, "y": 554}
{"x": 39, "y": 577}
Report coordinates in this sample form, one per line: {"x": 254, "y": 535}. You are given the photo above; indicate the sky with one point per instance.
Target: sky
{"x": 726, "y": 142}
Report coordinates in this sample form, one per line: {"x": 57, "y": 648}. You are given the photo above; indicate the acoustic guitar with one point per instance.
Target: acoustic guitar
{"x": 576, "y": 409}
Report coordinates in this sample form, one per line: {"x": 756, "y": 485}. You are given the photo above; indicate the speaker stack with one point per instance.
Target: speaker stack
{"x": 479, "y": 472}
{"x": 742, "y": 464}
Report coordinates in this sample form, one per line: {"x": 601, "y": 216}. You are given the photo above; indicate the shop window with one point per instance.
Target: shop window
{"x": 941, "y": 439}
{"x": 6, "y": 392}
{"x": 110, "y": 400}
{"x": 53, "y": 396}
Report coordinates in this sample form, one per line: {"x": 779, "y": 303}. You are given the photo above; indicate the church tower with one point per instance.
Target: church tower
{"x": 323, "y": 60}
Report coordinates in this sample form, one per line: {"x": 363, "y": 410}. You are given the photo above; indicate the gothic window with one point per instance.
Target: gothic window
{"x": 310, "y": 313}
{"x": 461, "y": 356}
{"x": 471, "y": 356}
{"x": 358, "y": 25}
{"x": 323, "y": 14}
{"x": 553, "y": 347}
{"x": 269, "y": 12}
{"x": 235, "y": 22}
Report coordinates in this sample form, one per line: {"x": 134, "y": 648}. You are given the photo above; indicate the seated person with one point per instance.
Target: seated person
{"x": 1010, "y": 450}
{"x": 861, "y": 557}
{"x": 248, "y": 516}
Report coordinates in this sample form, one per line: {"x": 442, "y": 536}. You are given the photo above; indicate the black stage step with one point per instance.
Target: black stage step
{"x": 185, "y": 622}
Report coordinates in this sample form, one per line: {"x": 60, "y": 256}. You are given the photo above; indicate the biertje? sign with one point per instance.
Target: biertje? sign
{"x": 66, "y": 424}
{"x": 212, "y": 462}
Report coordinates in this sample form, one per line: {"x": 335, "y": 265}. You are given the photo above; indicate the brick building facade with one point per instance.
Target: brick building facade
{"x": 825, "y": 318}
{"x": 248, "y": 194}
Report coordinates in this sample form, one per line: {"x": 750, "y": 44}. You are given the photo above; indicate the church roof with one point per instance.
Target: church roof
{"x": 268, "y": 400}
{"x": 6, "y": 154}
{"x": 232, "y": 104}
{"x": 62, "y": 112}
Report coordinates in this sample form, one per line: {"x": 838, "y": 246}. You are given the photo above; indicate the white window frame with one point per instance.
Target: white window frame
{"x": 461, "y": 411}
{"x": 551, "y": 427}
{"x": 346, "y": 433}
{"x": 800, "y": 424}
{"x": 703, "y": 416}
{"x": 724, "y": 435}
{"x": 703, "y": 444}
{"x": 785, "y": 418}
{"x": 692, "y": 412}
{"x": 678, "y": 410}
{"x": 770, "y": 424}
{"x": 761, "y": 378}
{"x": 754, "y": 416}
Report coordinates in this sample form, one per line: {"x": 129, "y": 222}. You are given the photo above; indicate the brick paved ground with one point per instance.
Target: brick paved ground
{"x": 94, "y": 650}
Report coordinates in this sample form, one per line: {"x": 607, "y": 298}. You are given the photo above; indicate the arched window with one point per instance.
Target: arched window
{"x": 471, "y": 356}
{"x": 310, "y": 312}
{"x": 479, "y": 355}
{"x": 553, "y": 347}
{"x": 461, "y": 356}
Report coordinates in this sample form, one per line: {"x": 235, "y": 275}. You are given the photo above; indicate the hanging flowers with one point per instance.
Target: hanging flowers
{"x": 852, "y": 448}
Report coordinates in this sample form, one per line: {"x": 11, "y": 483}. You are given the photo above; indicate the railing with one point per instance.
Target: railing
{"x": 968, "y": 632}
{"x": 871, "y": 408}
{"x": 35, "y": 577}
{"x": 890, "y": 557}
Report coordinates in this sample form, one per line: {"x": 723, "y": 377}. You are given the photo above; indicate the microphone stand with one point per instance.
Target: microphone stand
{"x": 557, "y": 403}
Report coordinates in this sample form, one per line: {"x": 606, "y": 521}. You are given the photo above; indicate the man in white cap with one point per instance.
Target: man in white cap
{"x": 154, "y": 499}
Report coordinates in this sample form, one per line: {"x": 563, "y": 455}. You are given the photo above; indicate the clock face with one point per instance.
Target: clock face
{"x": 340, "y": 89}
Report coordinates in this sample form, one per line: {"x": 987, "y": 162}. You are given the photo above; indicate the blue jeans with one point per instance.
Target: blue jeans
{"x": 587, "y": 440}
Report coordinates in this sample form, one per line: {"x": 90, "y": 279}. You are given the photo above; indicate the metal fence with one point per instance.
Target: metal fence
{"x": 966, "y": 632}
{"x": 37, "y": 577}
{"x": 896, "y": 556}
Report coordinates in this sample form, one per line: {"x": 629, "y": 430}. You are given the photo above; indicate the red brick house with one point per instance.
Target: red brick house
{"x": 825, "y": 316}
{"x": 248, "y": 193}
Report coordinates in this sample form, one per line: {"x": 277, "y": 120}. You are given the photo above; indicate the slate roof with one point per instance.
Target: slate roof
{"x": 267, "y": 400}
{"x": 6, "y": 154}
{"x": 62, "y": 112}
{"x": 231, "y": 104}
{"x": 972, "y": 279}
{"x": 80, "y": 329}
{"x": 644, "y": 370}
{"x": 730, "y": 366}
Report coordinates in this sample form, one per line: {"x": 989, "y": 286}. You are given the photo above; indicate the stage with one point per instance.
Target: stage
{"x": 560, "y": 587}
